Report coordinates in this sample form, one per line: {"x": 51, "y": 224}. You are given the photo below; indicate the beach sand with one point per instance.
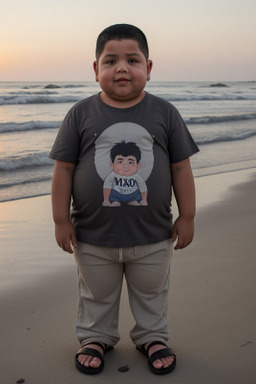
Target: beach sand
{"x": 212, "y": 307}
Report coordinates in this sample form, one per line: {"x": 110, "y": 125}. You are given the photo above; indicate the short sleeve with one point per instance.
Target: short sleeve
{"x": 67, "y": 143}
{"x": 180, "y": 142}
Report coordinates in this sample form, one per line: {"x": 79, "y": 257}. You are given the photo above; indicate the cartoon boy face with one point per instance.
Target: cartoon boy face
{"x": 125, "y": 166}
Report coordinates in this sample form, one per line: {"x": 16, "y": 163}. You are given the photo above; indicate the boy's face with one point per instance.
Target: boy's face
{"x": 122, "y": 72}
{"x": 125, "y": 166}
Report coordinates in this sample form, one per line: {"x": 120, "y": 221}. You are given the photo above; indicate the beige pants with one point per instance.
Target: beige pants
{"x": 100, "y": 277}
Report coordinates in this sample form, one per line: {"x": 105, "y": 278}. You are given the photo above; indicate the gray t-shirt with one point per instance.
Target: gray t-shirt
{"x": 143, "y": 141}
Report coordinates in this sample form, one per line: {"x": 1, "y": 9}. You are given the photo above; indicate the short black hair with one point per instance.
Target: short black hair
{"x": 125, "y": 149}
{"x": 119, "y": 32}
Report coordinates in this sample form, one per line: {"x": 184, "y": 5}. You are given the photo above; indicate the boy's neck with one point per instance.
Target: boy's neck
{"x": 121, "y": 103}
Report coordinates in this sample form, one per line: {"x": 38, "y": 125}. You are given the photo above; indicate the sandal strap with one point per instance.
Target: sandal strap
{"x": 154, "y": 343}
{"x": 161, "y": 354}
{"x": 101, "y": 345}
{"x": 91, "y": 351}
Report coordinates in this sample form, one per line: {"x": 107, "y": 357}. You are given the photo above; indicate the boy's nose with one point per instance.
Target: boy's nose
{"x": 122, "y": 68}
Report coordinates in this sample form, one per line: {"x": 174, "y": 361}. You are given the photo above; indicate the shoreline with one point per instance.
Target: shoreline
{"x": 211, "y": 303}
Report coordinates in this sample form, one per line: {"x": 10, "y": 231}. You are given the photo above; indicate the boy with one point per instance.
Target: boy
{"x": 135, "y": 241}
{"x": 124, "y": 184}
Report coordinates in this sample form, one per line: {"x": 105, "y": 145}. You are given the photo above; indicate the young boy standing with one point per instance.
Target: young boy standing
{"x": 134, "y": 240}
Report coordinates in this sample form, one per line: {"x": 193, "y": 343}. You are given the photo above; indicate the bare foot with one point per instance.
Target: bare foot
{"x": 90, "y": 361}
{"x": 134, "y": 203}
{"x": 115, "y": 204}
{"x": 160, "y": 363}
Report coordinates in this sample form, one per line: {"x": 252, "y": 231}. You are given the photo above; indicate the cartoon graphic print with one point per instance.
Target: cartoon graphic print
{"x": 124, "y": 160}
{"x": 124, "y": 184}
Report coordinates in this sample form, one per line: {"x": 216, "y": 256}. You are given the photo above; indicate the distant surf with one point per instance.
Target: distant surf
{"x": 221, "y": 119}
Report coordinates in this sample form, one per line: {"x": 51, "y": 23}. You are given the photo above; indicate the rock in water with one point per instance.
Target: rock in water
{"x": 218, "y": 85}
{"x": 51, "y": 86}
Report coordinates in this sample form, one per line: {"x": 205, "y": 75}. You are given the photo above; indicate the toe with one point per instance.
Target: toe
{"x": 164, "y": 362}
{"x": 158, "y": 364}
{"x": 95, "y": 363}
{"x": 91, "y": 361}
{"x": 82, "y": 359}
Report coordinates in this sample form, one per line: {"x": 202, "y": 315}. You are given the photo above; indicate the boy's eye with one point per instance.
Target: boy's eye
{"x": 132, "y": 61}
{"x": 111, "y": 62}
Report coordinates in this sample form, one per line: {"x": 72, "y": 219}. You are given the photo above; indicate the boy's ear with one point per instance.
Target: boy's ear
{"x": 138, "y": 165}
{"x": 96, "y": 71}
{"x": 149, "y": 68}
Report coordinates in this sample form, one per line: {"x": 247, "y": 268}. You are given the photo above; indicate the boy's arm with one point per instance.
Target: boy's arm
{"x": 184, "y": 191}
{"x": 144, "y": 196}
{"x": 61, "y": 195}
{"x": 106, "y": 194}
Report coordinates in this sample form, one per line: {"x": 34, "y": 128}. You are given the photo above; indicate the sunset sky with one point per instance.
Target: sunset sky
{"x": 54, "y": 40}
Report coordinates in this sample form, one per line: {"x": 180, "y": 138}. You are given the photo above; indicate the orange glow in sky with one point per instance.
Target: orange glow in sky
{"x": 188, "y": 40}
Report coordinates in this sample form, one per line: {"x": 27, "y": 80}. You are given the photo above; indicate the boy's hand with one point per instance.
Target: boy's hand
{"x": 183, "y": 230}
{"x": 65, "y": 236}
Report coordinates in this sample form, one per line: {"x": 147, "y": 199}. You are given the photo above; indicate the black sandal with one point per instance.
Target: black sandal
{"x": 166, "y": 352}
{"x": 91, "y": 352}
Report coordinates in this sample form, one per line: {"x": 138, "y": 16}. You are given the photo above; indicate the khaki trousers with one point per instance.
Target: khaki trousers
{"x": 100, "y": 276}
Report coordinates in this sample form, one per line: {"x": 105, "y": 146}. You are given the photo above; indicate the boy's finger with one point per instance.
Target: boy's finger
{"x": 66, "y": 247}
{"x": 182, "y": 243}
{"x": 178, "y": 246}
{"x": 73, "y": 240}
{"x": 69, "y": 248}
{"x": 174, "y": 236}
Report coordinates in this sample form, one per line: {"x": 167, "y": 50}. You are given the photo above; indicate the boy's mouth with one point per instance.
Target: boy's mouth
{"x": 122, "y": 80}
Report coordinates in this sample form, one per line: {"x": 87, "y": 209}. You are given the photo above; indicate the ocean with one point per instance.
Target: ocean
{"x": 221, "y": 118}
